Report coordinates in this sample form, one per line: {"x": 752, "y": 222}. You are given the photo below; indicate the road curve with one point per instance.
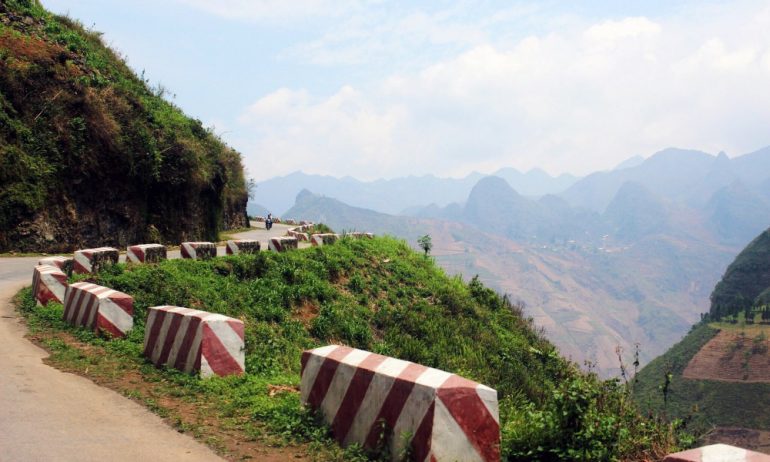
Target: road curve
{"x": 46, "y": 414}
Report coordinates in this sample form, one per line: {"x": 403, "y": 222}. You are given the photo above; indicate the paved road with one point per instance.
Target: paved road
{"x": 46, "y": 414}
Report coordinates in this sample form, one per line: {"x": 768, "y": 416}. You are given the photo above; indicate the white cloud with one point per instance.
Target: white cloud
{"x": 576, "y": 98}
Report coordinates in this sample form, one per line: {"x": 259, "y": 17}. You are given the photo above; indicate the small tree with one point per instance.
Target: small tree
{"x": 425, "y": 243}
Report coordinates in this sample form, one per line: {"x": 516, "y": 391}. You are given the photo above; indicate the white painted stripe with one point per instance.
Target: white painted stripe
{"x": 412, "y": 414}
{"x": 488, "y": 396}
{"x": 339, "y": 385}
{"x": 448, "y": 441}
{"x": 433, "y": 378}
{"x": 382, "y": 382}
{"x": 312, "y": 366}
{"x": 131, "y": 256}
{"x": 195, "y": 349}
{"x": 82, "y": 259}
{"x": 184, "y": 326}
{"x": 722, "y": 453}
{"x": 116, "y": 315}
{"x": 229, "y": 338}
{"x": 158, "y": 348}
{"x": 85, "y": 297}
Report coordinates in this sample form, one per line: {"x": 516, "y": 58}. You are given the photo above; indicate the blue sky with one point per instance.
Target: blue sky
{"x": 383, "y": 89}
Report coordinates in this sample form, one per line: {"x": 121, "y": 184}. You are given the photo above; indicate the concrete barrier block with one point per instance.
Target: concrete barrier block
{"x": 92, "y": 260}
{"x": 146, "y": 253}
{"x": 290, "y": 221}
{"x": 300, "y": 236}
{"x": 48, "y": 283}
{"x": 259, "y": 219}
{"x": 98, "y": 308}
{"x": 281, "y": 244}
{"x": 324, "y": 238}
{"x": 360, "y": 394}
{"x": 63, "y": 263}
{"x": 235, "y": 247}
{"x": 717, "y": 453}
{"x": 193, "y": 340}
{"x": 198, "y": 250}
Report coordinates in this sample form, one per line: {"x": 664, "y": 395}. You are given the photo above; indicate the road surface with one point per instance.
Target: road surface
{"x": 46, "y": 414}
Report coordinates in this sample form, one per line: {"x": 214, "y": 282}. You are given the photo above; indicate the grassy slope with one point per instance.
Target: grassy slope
{"x": 381, "y": 296}
{"x": 73, "y": 118}
{"x": 705, "y": 403}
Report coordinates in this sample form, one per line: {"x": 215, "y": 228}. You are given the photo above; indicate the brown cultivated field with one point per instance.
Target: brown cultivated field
{"x": 735, "y": 354}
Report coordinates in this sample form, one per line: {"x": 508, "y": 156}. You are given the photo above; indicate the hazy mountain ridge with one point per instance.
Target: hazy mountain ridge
{"x": 399, "y": 195}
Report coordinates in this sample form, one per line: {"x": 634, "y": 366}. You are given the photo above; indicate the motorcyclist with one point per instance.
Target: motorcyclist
{"x": 269, "y": 221}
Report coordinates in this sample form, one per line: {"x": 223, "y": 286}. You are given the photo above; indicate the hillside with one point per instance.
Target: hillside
{"x": 588, "y": 297}
{"x": 91, "y": 155}
{"x": 377, "y": 295}
{"x": 747, "y": 277}
{"x": 720, "y": 371}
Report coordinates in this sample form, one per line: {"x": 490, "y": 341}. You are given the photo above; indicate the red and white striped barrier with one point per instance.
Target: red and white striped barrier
{"x": 99, "y": 308}
{"x": 259, "y": 219}
{"x": 198, "y": 250}
{"x": 717, "y": 453}
{"x": 300, "y": 236}
{"x": 290, "y": 221}
{"x": 146, "y": 253}
{"x": 193, "y": 340}
{"x": 324, "y": 238}
{"x": 63, "y": 263}
{"x": 450, "y": 418}
{"x": 281, "y": 244}
{"x": 92, "y": 260}
{"x": 242, "y": 246}
{"x": 357, "y": 235}
{"x": 48, "y": 283}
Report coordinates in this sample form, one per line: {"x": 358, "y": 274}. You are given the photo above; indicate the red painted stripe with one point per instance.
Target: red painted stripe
{"x": 421, "y": 442}
{"x": 354, "y": 396}
{"x": 168, "y": 342}
{"x": 464, "y": 404}
{"x": 237, "y": 326}
{"x": 90, "y": 308}
{"x": 104, "y": 325}
{"x": 80, "y": 269}
{"x": 184, "y": 252}
{"x": 160, "y": 315}
{"x": 325, "y": 375}
{"x": 124, "y": 301}
{"x": 219, "y": 358}
{"x": 394, "y": 403}
{"x": 187, "y": 343}
{"x": 228, "y": 250}
{"x": 139, "y": 252}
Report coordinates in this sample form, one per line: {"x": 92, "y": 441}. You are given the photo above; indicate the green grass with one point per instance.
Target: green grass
{"x": 703, "y": 403}
{"x": 381, "y": 296}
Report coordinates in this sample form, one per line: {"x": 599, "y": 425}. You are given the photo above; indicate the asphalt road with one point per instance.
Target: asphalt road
{"x": 46, "y": 414}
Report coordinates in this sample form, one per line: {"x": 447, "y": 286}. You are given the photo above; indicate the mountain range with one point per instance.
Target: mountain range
{"x": 595, "y": 272}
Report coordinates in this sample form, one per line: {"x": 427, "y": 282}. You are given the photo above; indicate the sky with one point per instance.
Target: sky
{"x": 383, "y": 89}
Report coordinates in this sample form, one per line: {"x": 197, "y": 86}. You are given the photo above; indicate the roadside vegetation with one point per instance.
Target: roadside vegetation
{"x": 377, "y": 295}
{"x": 74, "y": 118}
